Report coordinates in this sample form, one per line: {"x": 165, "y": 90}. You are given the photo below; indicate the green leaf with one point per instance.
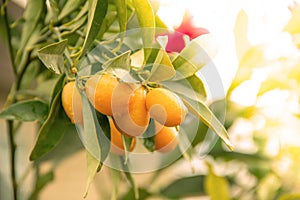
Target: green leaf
{"x": 29, "y": 110}
{"x": 184, "y": 187}
{"x": 70, "y": 7}
{"x": 200, "y": 110}
{"x": 107, "y": 22}
{"x": 119, "y": 62}
{"x": 185, "y": 145}
{"x": 82, "y": 14}
{"x": 52, "y": 57}
{"x": 129, "y": 177}
{"x": 93, "y": 136}
{"x": 41, "y": 182}
{"x": 69, "y": 145}
{"x": 191, "y": 87}
{"x": 146, "y": 20}
{"x": 54, "y": 9}
{"x": 162, "y": 68}
{"x": 52, "y": 131}
{"x": 216, "y": 187}
{"x": 160, "y": 24}
{"x": 97, "y": 12}
{"x": 122, "y": 14}
{"x": 116, "y": 179}
{"x": 148, "y": 136}
{"x": 33, "y": 14}
{"x": 194, "y": 56}
{"x": 60, "y": 82}
{"x": 135, "y": 189}
{"x": 93, "y": 166}
{"x": 126, "y": 143}
{"x": 143, "y": 194}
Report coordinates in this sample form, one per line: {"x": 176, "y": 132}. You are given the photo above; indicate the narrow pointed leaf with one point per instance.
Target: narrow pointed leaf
{"x": 97, "y": 12}
{"x": 122, "y": 61}
{"x": 93, "y": 166}
{"x": 240, "y": 33}
{"x": 184, "y": 187}
{"x": 130, "y": 179}
{"x": 69, "y": 7}
{"x": 194, "y": 56}
{"x": 93, "y": 136}
{"x": 116, "y": 179}
{"x": 52, "y": 131}
{"x": 148, "y": 136}
{"x": 29, "y": 110}
{"x": 212, "y": 181}
{"x": 162, "y": 68}
{"x": 122, "y": 14}
{"x": 33, "y": 14}
{"x": 146, "y": 20}
{"x": 191, "y": 87}
{"x": 185, "y": 145}
{"x": 201, "y": 111}
{"x": 126, "y": 143}
{"x": 52, "y": 56}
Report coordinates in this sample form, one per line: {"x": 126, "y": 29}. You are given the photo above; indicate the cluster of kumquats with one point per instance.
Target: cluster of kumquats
{"x": 129, "y": 107}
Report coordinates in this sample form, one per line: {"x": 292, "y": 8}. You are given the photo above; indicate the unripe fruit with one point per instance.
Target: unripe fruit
{"x": 129, "y": 109}
{"x": 117, "y": 146}
{"x": 165, "y": 107}
{"x": 71, "y": 102}
{"x": 165, "y": 139}
{"x": 99, "y": 90}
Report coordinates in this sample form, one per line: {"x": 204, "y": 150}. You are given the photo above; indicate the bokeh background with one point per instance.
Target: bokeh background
{"x": 258, "y": 61}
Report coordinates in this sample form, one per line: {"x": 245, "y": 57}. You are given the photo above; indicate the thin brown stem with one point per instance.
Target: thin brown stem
{"x": 12, "y": 147}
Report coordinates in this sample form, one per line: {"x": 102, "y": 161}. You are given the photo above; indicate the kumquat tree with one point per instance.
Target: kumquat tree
{"x": 144, "y": 102}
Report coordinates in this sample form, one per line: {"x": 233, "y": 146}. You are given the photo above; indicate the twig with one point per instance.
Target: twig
{"x": 8, "y": 31}
{"x": 12, "y": 147}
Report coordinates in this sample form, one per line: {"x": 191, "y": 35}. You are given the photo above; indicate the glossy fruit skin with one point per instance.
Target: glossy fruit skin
{"x": 165, "y": 107}
{"x": 72, "y": 103}
{"x": 117, "y": 146}
{"x": 99, "y": 90}
{"x": 130, "y": 113}
{"x": 165, "y": 139}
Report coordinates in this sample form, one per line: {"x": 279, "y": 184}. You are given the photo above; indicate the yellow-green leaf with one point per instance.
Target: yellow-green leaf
{"x": 97, "y": 12}
{"x": 93, "y": 166}
{"x": 52, "y": 57}
{"x": 162, "y": 68}
{"x": 146, "y": 20}
{"x": 200, "y": 110}
{"x": 216, "y": 187}
{"x": 194, "y": 56}
{"x": 240, "y": 34}
{"x": 29, "y": 110}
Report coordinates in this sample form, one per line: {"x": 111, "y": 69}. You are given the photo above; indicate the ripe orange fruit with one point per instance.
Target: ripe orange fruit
{"x": 117, "y": 146}
{"x": 165, "y": 139}
{"x": 129, "y": 109}
{"x": 71, "y": 102}
{"x": 99, "y": 90}
{"x": 165, "y": 107}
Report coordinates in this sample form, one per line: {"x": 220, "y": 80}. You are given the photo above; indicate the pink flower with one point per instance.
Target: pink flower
{"x": 175, "y": 40}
